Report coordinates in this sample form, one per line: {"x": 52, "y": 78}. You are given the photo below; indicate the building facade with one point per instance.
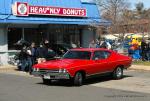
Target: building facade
{"x": 59, "y": 21}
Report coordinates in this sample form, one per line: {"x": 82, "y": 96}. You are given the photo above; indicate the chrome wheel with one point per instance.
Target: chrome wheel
{"x": 78, "y": 79}
{"x": 118, "y": 73}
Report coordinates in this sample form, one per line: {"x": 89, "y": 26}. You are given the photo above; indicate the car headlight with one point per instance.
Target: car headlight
{"x": 62, "y": 70}
{"x": 36, "y": 69}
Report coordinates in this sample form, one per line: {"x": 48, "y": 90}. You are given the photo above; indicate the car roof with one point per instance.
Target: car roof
{"x": 90, "y": 49}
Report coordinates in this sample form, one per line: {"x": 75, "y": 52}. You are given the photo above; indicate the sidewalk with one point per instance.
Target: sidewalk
{"x": 140, "y": 67}
{"x": 8, "y": 68}
{"x": 133, "y": 67}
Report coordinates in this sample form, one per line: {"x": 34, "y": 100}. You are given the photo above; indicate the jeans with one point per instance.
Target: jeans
{"x": 29, "y": 60}
{"x": 26, "y": 64}
{"x": 23, "y": 64}
{"x": 144, "y": 55}
{"x": 148, "y": 55}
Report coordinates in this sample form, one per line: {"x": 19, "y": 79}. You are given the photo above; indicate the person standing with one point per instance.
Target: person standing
{"x": 46, "y": 44}
{"x": 103, "y": 44}
{"x": 41, "y": 53}
{"x": 29, "y": 60}
{"x": 143, "y": 49}
{"x": 49, "y": 53}
{"x": 33, "y": 52}
{"x": 92, "y": 44}
{"x": 148, "y": 50}
{"x": 108, "y": 45}
{"x": 23, "y": 59}
{"x": 97, "y": 43}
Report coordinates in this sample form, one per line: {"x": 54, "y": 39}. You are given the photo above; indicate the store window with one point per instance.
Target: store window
{"x": 67, "y": 34}
{"x": 33, "y": 35}
{"x": 14, "y": 35}
{"x": 27, "y": 34}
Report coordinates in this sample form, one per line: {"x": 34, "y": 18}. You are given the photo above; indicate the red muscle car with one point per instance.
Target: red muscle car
{"x": 80, "y": 64}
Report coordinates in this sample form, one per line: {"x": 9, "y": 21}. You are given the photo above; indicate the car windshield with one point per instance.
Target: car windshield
{"x": 85, "y": 55}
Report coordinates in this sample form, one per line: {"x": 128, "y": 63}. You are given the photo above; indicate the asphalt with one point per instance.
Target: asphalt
{"x": 23, "y": 88}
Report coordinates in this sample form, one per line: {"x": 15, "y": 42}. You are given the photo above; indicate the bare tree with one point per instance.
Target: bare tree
{"x": 112, "y": 9}
{"x": 140, "y": 9}
{"x": 123, "y": 18}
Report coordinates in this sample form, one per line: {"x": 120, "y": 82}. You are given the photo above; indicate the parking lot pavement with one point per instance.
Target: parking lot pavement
{"x": 134, "y": 80}
{"x": 21, "y": 88}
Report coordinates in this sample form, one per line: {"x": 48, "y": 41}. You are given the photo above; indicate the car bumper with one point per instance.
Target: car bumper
{"x": 54, "y": 76}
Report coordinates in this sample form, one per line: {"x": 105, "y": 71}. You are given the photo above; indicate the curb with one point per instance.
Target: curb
{"x": 133, "y": 67}
{"x": 140, "y": 67}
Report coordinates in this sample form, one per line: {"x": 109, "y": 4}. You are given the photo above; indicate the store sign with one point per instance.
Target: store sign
{"x": 24, "y": 9}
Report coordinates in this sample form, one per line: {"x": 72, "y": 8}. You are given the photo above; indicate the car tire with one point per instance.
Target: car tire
{"x": 118, "y": 73}
{"x": 78, "y": 79}
{"x": 46, "y": 81}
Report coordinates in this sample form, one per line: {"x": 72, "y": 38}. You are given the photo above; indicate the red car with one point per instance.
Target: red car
{"x": 80, "y": 64}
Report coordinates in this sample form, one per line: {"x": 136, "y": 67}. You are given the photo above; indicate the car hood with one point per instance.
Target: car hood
{"x": 61, "y": 63}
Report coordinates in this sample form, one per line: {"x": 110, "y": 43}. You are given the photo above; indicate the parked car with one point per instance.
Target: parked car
{"x": 82, "y": 63}
{"x": 60, "y": 48}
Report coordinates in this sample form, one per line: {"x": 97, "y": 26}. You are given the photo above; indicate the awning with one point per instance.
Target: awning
{"x": 40, "y": 20}
{"x": 92, "y": 17}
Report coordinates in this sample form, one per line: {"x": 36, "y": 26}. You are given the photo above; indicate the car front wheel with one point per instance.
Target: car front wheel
{"x": 78, "y": 79}
{"x": 118, "y": 73}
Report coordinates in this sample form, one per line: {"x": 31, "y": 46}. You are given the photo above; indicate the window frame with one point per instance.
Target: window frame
{"x": 90, "y": 54}
{"x": 104, "y": 52}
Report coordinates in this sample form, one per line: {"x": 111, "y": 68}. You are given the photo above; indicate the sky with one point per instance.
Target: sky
{"x": 133, "y": 2}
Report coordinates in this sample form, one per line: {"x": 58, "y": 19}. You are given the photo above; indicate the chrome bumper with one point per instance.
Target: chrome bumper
{"x": 54, "y": 76}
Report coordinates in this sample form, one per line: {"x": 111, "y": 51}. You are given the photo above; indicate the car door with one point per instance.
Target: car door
{"x": 101, "y": 61}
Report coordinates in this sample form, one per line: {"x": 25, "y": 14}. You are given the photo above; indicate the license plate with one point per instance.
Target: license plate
{"x": 46, "y": 77}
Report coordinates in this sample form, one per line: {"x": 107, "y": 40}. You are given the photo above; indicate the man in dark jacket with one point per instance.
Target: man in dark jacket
{"x": 23, "y": 59}
{"x": 41, "y": 53}
{"x": 148, "y": 50}
{"x": 33, "y": 52}
{"x": 144, "y": 50}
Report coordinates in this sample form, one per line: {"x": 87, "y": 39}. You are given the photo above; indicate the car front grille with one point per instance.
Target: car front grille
{"x": 44, "y": 71}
